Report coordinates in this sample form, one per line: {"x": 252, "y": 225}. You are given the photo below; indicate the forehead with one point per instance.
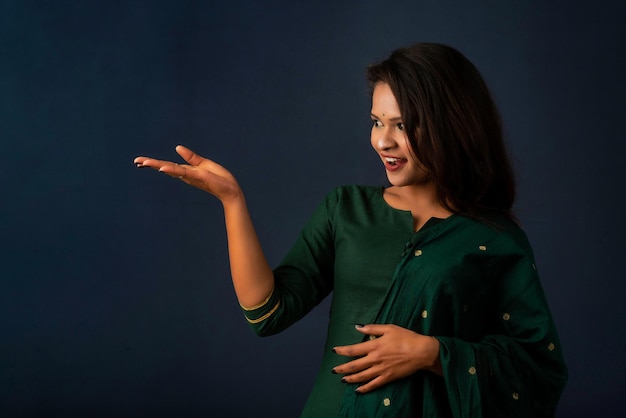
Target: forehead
{"x": 383, "y": 100}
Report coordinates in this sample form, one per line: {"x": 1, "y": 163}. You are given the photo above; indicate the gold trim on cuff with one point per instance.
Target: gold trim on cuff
{"x": 264, "y": 317}
{"x": 260, "y": 305}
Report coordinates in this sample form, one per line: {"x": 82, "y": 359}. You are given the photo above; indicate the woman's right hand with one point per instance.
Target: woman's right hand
{"x": 252, "y": 276}
{"x": 199, "y": 172}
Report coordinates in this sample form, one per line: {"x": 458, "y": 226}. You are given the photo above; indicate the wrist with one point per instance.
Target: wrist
{"x": 434, "y": 360}
{"x": 233, "y": 199}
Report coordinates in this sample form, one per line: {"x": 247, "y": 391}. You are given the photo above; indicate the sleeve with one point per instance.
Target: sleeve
{"x": 517, "y": 371}
{"x": 303, "y": 278}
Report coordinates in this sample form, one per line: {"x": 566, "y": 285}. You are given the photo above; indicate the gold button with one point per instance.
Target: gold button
{"x": 386, "y": 401}
{"x": 472, "y": 370}
{"x": 551, "y": 346}
{"x": 506, "y": 316}
{"x": 482, "y": 248}
{"x": 424, "y": 314}
{"x": 418, "y": 253}
{"x": 515, "y": 395}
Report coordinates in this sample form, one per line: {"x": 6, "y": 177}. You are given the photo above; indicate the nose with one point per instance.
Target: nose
{"x": 383, "y": 139}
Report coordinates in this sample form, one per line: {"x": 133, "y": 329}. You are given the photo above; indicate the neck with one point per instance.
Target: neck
{"x": 422, "y": 196}
{"x": 421, "y": 200}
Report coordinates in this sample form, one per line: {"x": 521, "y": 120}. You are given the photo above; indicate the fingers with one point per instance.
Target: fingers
{"x": 354, "y": 366}
{"x": 139, "y": 161}
{"x": 354, "y": 350}
{"x": 175, "y": 170}
{"x": 188, "y": 155}
{"x": 361, "y": 349}
{"x": 372, "y": 385}
{"x": 151, "y": 162}
{"x": 375, "y": 330}
{"x": 195, "y": 160}
{"x": 167, "y": 167}
{"x": 362, "y": 371}
{"x": 201, "y": 173}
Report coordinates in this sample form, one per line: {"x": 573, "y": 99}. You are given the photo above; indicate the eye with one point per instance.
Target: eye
{"x": 376, "y": 123}
{"x": 400, "y": 126}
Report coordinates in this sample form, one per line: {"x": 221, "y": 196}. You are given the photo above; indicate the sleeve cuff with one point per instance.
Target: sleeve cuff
{"x": 259, "y": 313}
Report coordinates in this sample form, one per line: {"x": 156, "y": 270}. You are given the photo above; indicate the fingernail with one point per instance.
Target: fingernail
{"x": 357, "y": 391}
{"x": 333, "y": 371}
{"x": 334, "y": 351}
{"x": 343, "y": 380}
{"x": 359, "y": 326}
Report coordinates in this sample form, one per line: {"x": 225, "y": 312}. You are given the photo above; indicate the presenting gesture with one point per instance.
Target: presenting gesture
{"x": 199, "y": 172}
{"x": 252, "y": 277}
{"x": 436, "y": 252}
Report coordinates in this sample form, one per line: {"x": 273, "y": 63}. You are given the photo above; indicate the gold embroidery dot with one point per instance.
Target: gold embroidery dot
{"x": 386, "y": 401}
{"x": 551, "y": 346}
{"x": 482, "y": 248}
{"x": 424, "y": 314}
{"x": 506, "y": 316}
{"x": 472, "y": 370}
{"x": 515, "y": 395}
{"x": 418, "y": 253}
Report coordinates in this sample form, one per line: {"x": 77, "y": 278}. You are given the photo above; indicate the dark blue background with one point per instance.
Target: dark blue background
{"x": 115, "y": 297}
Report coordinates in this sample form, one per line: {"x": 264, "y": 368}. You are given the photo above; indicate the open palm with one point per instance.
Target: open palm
{"x": 199, "y": 172}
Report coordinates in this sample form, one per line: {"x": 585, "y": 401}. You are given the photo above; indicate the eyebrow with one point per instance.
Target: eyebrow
{"x": 397, "y": 118}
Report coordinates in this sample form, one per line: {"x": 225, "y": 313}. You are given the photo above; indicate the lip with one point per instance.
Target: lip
{"x": 399, "y": 163}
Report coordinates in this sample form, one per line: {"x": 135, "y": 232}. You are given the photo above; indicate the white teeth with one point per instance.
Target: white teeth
{"x": 392, "y": 160}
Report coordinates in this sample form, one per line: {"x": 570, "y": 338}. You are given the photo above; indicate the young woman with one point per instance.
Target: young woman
{"x": 437, "y": 309}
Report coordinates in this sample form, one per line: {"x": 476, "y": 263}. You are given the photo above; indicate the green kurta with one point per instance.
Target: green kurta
{"x": 472, "y": 286}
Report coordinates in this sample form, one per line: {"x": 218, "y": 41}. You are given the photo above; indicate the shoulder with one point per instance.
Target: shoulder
{"x": 351, "y": 202}
{"x": 354, "y": 194}
{"x": 355, "y": 190}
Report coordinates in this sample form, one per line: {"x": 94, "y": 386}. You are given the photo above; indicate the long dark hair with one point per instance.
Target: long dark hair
{"x": 453, "y": 127}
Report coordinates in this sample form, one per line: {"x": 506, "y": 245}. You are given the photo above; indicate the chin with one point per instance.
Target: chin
{"x": 405, "y": 182}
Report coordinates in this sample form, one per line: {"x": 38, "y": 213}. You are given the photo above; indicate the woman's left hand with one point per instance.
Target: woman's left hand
{"x": 392, "y": 354}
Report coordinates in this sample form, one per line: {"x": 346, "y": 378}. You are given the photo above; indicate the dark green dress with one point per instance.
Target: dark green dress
{"x": 472, "y": 286}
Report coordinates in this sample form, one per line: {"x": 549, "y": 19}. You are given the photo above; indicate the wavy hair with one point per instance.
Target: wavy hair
{"x": 453, "y": 127}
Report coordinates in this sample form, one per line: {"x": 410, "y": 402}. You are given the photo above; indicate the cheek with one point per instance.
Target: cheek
{"x": 406, "y": 145}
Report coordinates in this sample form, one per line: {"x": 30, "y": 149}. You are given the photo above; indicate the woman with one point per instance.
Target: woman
{"x": 434, "y": 264}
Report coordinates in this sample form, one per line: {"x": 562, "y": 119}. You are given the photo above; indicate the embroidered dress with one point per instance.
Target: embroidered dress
{"x": 472, "y": 286}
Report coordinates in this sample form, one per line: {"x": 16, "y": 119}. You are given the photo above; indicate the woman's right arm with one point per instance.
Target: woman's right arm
{"x": 252, "y": 276}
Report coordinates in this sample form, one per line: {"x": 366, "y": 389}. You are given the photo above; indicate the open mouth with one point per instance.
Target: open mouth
{"x": 392, "y": 161}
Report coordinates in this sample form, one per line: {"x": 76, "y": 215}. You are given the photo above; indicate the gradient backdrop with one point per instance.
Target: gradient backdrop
{"x": 115, "y": 297}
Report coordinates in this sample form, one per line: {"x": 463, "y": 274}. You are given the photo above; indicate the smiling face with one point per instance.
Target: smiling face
{"x": 390, "y": 141}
